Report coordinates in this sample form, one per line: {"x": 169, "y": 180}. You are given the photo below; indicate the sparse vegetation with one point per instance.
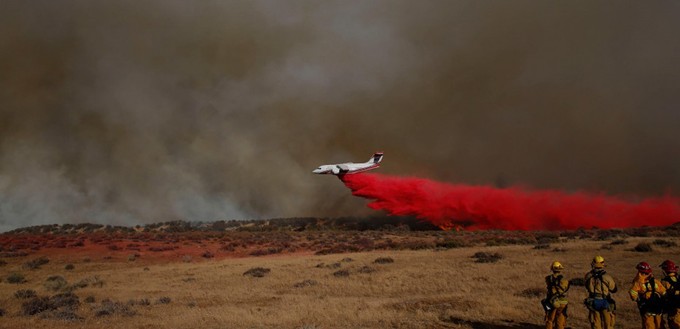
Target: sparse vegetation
{"x": 418, "y": 284}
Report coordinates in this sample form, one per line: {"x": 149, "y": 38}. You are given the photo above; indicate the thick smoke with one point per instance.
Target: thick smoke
{"x": 483, "y": 207}
{"x": 131, "y": 112}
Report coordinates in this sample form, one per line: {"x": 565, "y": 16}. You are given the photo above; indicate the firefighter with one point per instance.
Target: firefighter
{"x": 671, "y": 300}
{"x": 555, "y": 303}
{"x": 647, "y": 292}
{"x": 601, "y": 306}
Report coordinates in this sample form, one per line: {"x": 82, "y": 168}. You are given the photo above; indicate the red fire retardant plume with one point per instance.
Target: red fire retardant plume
{"x": 482, "y": 207}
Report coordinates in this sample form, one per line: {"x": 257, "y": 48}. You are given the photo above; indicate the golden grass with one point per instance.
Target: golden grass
{"x": 421, "y": 289}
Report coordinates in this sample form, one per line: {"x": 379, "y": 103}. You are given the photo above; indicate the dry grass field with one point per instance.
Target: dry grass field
{"x": 428, "y": 288}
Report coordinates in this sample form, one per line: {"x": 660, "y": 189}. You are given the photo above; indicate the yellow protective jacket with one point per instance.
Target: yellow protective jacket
{"x": 668, "y": 282}
{"x": 599, "y": 284}
{"x": 557, "y": 287}
{"x": 642, "y": 288}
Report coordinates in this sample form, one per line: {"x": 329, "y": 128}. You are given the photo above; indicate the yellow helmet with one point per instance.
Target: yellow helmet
{"x": 556, "y": 266}
{"x": 598, "y": 262}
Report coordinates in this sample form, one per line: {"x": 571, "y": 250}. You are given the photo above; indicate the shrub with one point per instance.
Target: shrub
{"x": 383, "y": 260}
{"x": 664, "y": 243}
{"x": 89, "y": 299}
{"x": 305, "y": 283}
{"x": 542, "y": 246}
{"x": 16, "y": 278}
{"x": 452, "y": 243}
{"x": 643, "y": 247}
{"x": 2, "y": 263}
{"x": 163, "y": 300}
{"x": 35, "y": 306}
{"x": 618, "y": 242}
{"x": 55, "y": 283}
{"x": 341, "y": 273}
{"x": 36, "y": 263}
{"x": 367, "y": 269}
{"x": 532, "y": 292}
{"x": 208, "y": 254}
{"x": 68, "y": 299}
{"x": 69, "y": 267}
{"x": 577, "y": 282}
{"x": 484, "y": 257}
{"x": 109, "y": 307}
{"x": 142, "y": 302}
{"x": 347, "y": 260}
{"x": 2, "y": 312}
{"x": 65, "y": 315}
{"x": 24, "y": 294}
{"x": 257, "y": 272}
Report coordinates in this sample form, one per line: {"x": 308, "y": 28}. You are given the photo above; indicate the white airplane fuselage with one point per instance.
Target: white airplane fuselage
{"x": 350, "y": 167}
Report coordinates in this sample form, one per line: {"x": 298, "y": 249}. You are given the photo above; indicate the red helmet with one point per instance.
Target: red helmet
{"x": 643, "y": 267}
{"x": 668, "y": 266}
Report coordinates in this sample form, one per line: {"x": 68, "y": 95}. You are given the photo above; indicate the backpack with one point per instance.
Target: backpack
{"x": 653, "y": 304}
{"x": 672, "y": 298}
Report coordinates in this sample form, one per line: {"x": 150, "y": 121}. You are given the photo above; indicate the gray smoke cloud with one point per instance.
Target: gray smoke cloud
{"x": 133, "y": 112}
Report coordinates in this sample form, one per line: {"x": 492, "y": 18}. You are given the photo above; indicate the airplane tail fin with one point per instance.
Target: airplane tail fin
{"x": 376, "y": 158}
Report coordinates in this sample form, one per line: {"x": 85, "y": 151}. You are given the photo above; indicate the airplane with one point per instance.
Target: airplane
{"x": 350, "y": 167}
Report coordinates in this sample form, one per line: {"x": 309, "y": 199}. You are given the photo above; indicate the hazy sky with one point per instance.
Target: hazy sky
{"x": 133, "y": 112}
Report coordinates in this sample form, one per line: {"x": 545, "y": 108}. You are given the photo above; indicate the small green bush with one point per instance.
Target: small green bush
{"x": 257, "y": 272}
{"x": 36, "y": 263}
{"x": 163, "y": 300}
{"x": 577, "y": 282}
{"x": 25, "y": 294}
{"x": 16, "y": 278}
{"x": 55, "y": 283}
{"x": 643, "y": 247}
{"x": 532, "y": 292}
{"x": 383, "y": 260}
{"x": 484, "y": 257}
{"x": 664, "y": 243}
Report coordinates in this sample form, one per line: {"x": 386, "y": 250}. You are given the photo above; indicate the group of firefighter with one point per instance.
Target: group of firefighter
{"x": 657, "y": 299}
